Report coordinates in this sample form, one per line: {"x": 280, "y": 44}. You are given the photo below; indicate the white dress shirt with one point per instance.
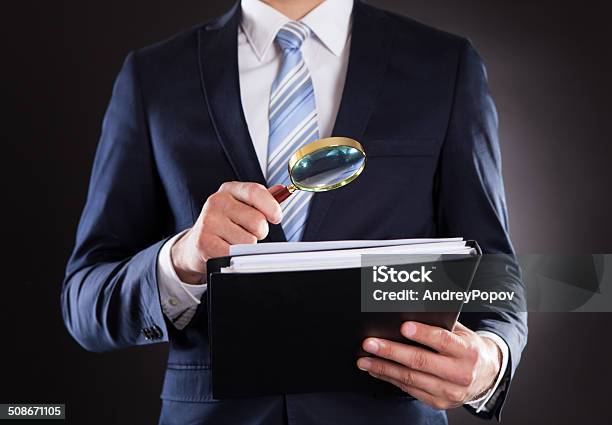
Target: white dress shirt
{"x": 325, "y": 53}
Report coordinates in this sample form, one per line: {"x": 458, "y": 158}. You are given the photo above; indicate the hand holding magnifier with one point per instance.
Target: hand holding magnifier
{"x": 323, "y": 165}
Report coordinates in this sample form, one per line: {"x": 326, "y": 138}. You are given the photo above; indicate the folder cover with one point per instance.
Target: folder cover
{"x": 300, "y": 331}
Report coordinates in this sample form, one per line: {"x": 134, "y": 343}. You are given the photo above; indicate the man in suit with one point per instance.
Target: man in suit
{"x": 201, "y": 124}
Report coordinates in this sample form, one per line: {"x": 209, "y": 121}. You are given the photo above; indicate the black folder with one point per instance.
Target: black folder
{"x": 300, "y": 331}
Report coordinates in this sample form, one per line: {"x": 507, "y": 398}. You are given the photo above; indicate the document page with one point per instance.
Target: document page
{"x": 337, "y": 255}
{"x": 279, "y": 247}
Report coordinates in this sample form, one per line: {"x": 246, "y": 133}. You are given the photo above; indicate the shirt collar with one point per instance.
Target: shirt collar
{"x": 330, "y": 22}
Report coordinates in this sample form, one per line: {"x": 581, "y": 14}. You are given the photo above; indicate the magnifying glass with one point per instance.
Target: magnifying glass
{"x": 323, "y": 165}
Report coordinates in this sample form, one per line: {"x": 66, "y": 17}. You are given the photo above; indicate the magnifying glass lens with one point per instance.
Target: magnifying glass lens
{"x": 324, "y": 164}
{"x": 328, "y": 167}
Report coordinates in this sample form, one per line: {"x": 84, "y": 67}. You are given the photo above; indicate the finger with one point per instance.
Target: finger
{"x": 416, "y": 358}
{"x": 415, "y": 392}
{"x": 459, "y": 327}
{"x": 250, "y": 219}
{"x": 234, "y": 234}
{"x": 406, "y": 376}
{"x": 257, "y": 196}
{"x": 439, "y": 339}
{"x": 211, "y": 246}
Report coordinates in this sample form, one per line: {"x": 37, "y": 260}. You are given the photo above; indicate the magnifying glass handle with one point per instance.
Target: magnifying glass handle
{"x": 281, "y": 192}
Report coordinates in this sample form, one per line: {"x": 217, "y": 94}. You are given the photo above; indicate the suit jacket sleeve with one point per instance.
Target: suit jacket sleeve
{"x": 110, "y": 297}
{"x": 471, "y": 203}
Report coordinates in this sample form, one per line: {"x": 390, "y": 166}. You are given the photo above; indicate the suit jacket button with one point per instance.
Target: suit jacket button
{"x": 156, "y": 332}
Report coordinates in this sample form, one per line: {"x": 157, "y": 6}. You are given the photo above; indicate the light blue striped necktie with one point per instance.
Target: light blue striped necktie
{"x": 293, "y": 123}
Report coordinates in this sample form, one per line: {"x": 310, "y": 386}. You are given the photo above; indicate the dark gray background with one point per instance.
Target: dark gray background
{"x": 549, "y": 67}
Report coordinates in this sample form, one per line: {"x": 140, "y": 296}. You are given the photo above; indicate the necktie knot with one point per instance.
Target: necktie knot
{"x": 292, "y": 35}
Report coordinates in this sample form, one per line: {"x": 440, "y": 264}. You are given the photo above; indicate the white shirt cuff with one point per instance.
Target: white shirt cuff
{"x": 179, "y": 300}
{"x": 487, "y": 401}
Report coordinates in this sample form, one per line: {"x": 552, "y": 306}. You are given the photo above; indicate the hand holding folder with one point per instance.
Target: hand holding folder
{"x": 286, "y": 318}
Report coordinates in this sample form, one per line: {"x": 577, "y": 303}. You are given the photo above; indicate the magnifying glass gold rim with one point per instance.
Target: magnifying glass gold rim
{"x": 318, "y": 145}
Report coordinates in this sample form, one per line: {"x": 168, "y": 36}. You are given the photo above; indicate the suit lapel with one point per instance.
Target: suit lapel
{"x": 369, "y": 50}
{"x": 218, "y": 58}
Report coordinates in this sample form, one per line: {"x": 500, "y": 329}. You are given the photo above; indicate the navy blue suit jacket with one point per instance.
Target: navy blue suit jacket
{"x": 174, "y": 131}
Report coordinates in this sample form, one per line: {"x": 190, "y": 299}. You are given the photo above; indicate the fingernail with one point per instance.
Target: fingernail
{"x": 410, "y": 329}
{"x": 371, "y": 346}
{"x": 364, "y": 364}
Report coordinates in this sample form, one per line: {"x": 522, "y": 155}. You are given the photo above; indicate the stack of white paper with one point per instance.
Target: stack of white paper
{"x": 294, "y": 256}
